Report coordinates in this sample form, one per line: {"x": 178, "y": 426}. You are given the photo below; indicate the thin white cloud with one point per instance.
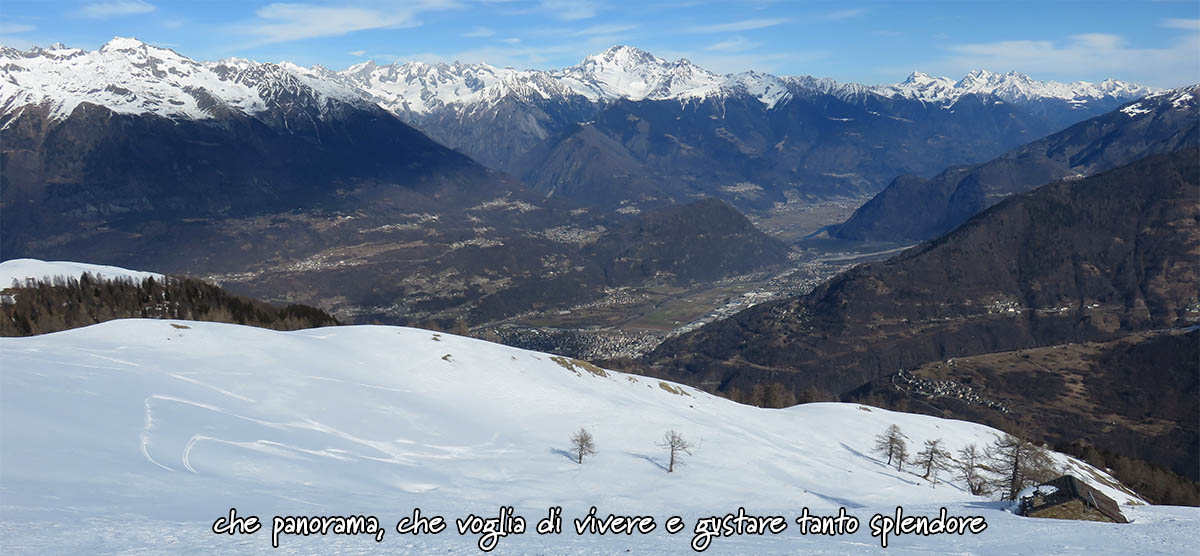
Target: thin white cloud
{"x": 609, "y": 29}
{"x": 480, "y": 32}
{"x": 844, "y": 14}
{"x": 735, "y": 26}
{"x": 736, "y": 44}
{"x": 288, "y": 22}
{"x": 571, "y": 10}
{"x": 511, "y": 40}
{"x": 1097, "y": 55}
{"x": 6, "y": 28}
{"x": 359, "y": 53}
{"x": 102, "y": 10}
{"x": 1182, "y": 23}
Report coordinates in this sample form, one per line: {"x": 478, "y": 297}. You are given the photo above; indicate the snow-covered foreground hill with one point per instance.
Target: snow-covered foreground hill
{"x": 134, "y": 436}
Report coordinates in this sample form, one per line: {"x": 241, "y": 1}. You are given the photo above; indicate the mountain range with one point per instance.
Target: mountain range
{"x": 141, "y": 78}
{"x": 289, "y": 183}
{"x": 625, "y": 126}
{"x": 622, "y": 127}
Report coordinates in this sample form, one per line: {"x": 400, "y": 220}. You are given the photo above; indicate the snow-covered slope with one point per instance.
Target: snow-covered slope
{"x": 142, "y": 432}
{"x": 1180, "y": 99}
{"x": 22, "y": 269}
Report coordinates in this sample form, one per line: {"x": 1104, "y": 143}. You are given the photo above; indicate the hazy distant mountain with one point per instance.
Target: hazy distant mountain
{"x": 916, "y": 208}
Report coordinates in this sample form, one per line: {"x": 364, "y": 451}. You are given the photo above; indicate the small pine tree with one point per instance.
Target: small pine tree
{"x": 582, "y": 444}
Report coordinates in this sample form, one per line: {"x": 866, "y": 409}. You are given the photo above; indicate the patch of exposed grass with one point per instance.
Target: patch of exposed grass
{"x": 570, "y": 364}
{"x": 673, "y": 389}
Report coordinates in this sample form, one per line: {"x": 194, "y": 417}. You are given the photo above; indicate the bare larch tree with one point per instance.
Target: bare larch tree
{"x": 933, "y": 458}
{"x": 967, "y": 468}
{"x": 891, "y": 444}
{"x": 901, "y": 456}
{"x": 675, "y": 445}
{"x": 582, "y": 444}
{"x": 1017, "y": 463}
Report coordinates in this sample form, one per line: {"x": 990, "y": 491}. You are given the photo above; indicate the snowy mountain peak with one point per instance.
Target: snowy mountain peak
{"x": 625, "y": 56}
{"x": 918, "y": 78}
{"x": 1012, "y": 87}
{"x": 362, "y": 68}
{"x": 631, "y": 73}
{"x": 978, "y": 76}
{"x": 129, "y": 76}
{"x": 124, "y": 43}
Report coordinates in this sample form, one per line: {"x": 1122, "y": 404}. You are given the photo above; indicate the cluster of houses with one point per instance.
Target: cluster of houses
{"x": 906, "y": 381}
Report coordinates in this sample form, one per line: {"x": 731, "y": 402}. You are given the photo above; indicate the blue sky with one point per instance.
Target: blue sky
{"x": 1153, "y": 42}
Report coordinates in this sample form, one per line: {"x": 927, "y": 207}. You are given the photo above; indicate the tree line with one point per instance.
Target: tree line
{"x": 1005, "y": 467}
{"x": 39, "y": 307}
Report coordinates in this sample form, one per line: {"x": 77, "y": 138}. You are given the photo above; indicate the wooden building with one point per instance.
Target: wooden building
{"x": 1070, "y": 498}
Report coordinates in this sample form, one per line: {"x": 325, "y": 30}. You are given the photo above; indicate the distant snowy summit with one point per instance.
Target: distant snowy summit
{"x": 129, "y": 76}
{"x": 1012, "y": 87}
{"x": 629, "y": 73}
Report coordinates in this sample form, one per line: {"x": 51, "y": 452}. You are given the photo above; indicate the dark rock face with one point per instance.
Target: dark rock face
{"x": 1070, "y": 261}
{"x": 916, "y": 208}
